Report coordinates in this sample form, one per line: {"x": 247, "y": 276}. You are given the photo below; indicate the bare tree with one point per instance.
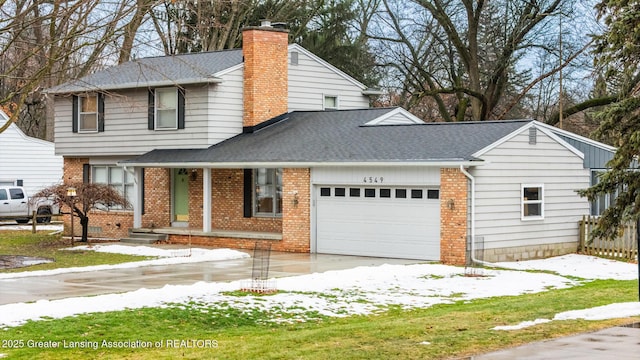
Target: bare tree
{"x": 47, "y": 43}
{"x": 87, "y": 197}
{"x": 464, "y": 55}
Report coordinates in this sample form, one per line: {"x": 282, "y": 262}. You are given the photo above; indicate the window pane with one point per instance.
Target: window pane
{"x": 89, "y": 104}
{"x": 3, "y": 194}
{"x": 330, "y": 102}
{"x": 115, "y": 176}
{"x": 533, "y": 210}
{"x": 354, "y": 192}
{"x": 401, "y": 193}
{"x": 16, "y": 193}
{"x": 340, "y": 192}
{"x": 100, "y": 175}
{"x": 416, "y": 194}
{"x": 325, "y": 191}
{"x": 88, "y": 122}
{"x": 369, "y": 192}
{"x": 433, "y": 194}
{"x": 385, "y": 193}
{"x": 167, "y": 99}
{"x": 531, "y": 193}
{"x": 167, "y": 119}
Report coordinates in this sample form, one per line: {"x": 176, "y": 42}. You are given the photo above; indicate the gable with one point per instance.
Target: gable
{"x": 526, "y": 129}
{"x": 398, "y": 116}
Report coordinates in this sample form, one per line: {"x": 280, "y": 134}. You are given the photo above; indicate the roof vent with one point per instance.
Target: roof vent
{"x": 265, "y": 23}
{"x": 533, "y": 136}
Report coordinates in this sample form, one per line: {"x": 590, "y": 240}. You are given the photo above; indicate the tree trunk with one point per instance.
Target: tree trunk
{"x": 84, "y": 222}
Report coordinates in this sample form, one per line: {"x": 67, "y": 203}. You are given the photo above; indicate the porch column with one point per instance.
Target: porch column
{"x": 206, "y": 199}
{"x": 138, "y": 183}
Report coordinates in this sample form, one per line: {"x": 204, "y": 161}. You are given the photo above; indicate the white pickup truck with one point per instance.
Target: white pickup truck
{"x": 16, "y": 205}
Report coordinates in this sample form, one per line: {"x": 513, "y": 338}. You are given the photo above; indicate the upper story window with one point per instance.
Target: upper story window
{"x": 88, "y": 113}
{"x": 116, "y": 177}
{"x": 267, "y": 192}
{"x": 532, "y": 202}
{"x": 330, "y": 102}
{"x": 166, "y": 109}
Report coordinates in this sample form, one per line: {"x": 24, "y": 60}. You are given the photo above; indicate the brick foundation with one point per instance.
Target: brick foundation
{"x": 453, "y": 216}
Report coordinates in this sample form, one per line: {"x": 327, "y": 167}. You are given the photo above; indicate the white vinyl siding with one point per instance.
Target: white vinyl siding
{"x": 126, "y": 124}
{"x": 28, "y": 159}
{"x": 310, "y": 80}
{"x": 499, "y": 192}
{"x": 225, "y": 107}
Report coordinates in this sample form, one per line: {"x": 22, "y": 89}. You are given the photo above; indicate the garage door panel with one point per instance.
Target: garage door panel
{"x": 387, "y": 227}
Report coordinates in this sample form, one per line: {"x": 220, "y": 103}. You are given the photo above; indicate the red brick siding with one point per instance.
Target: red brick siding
{"x": 453, "y": 216}
{"x": 296, "y": 206}
{"x": 157, "y": 198}
{"x": 228, "y": 204}
{"x": 265, "y": 91}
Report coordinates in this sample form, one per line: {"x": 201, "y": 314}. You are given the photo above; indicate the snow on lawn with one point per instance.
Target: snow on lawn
{"x": 362, "y": 290}
{"x": 582, "y": 266}
{"x": 167, "y": 257}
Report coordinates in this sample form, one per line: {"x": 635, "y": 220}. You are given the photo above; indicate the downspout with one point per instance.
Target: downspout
{"x": 473, "y": 219}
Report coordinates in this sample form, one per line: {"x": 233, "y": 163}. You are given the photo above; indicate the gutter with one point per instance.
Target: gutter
{"x": 473, "y": 219}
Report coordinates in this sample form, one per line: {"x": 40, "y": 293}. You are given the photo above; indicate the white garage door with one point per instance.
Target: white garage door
{"x": 401, "y": 222}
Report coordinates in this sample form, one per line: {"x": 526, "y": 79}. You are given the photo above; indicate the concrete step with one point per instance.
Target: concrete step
{"x": 143, "y": 238}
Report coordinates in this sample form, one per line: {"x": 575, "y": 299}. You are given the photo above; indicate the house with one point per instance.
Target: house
{"x": 272, "y": 143}
{"x": 27, "y": 161}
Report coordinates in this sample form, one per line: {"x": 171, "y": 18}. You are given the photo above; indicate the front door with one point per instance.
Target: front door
{"x": 180, "y": 195}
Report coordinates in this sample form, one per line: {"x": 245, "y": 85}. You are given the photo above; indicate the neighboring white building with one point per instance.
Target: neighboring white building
{"x": 27, "y": 161}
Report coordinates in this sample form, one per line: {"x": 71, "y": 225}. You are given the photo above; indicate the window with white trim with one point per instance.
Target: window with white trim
{"x": 88, "y": 113}
{"x": 166, "y": 109}
{"x": 330, "y": 102}
{"x": 267, "y": 192}
{"x": 532, "y": 203}
{"x": 115, "y": 176}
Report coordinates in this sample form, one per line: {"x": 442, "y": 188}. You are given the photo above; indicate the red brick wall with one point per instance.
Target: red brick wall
{"x": 228, "y": 212}
{"x": 453, "y": 216}
{"x": 228, "y": 204}
{"x": 157, "y": 198}
{"x": 265, "y": 91}
{"x": 196, "y": 197}
{"x": 296, "y": 208}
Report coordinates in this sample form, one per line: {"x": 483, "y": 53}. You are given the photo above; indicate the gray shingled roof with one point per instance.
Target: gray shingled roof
{"x": 156, "y": 71}
{"x": 303, "y": 137}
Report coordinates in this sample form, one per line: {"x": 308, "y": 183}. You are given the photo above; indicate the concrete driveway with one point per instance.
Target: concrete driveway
{"x": 66, "y": 285}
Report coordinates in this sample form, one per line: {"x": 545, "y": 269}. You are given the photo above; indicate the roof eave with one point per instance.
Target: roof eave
{"x": 136, "y": 85}
{"x": 304, "y": 164}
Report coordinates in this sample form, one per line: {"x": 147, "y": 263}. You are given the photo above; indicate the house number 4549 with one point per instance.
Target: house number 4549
{"x": 372, "y": 180}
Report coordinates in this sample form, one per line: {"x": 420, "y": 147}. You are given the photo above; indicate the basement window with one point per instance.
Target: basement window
{"x": 532, "y": 205}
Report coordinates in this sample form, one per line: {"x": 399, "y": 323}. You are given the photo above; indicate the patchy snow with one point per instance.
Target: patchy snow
{"x": 11, "y": 226}
{"x": 362, "y": 290}
{"x": 167, "y": 257}
{"x": 582, "y": 266}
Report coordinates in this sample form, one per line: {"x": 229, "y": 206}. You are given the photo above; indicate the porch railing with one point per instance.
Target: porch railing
{"x": 624, "y": 246}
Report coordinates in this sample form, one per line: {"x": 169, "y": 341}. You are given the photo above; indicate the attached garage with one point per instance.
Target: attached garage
{"x": 373, "y": 219}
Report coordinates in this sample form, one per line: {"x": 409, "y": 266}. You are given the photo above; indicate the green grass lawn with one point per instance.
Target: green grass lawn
{"x": 439, "y": 332}
{"x": 191, "y": 331}
{"x": 48, "y": 246}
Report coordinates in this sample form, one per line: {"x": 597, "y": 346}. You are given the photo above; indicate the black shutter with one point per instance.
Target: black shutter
{"x": 100, "y": 112}
{"x": 248, "y": 192}
{"x": 180, "y": 108}
{"x": 74, "y": 114}
{"x": 86, "y": 173}
{"x": 141, "y": 187}
{"x": 152, "y": 110}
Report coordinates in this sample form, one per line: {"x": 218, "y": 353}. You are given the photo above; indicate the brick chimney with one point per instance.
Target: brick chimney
{"x": 265, "y": 51}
